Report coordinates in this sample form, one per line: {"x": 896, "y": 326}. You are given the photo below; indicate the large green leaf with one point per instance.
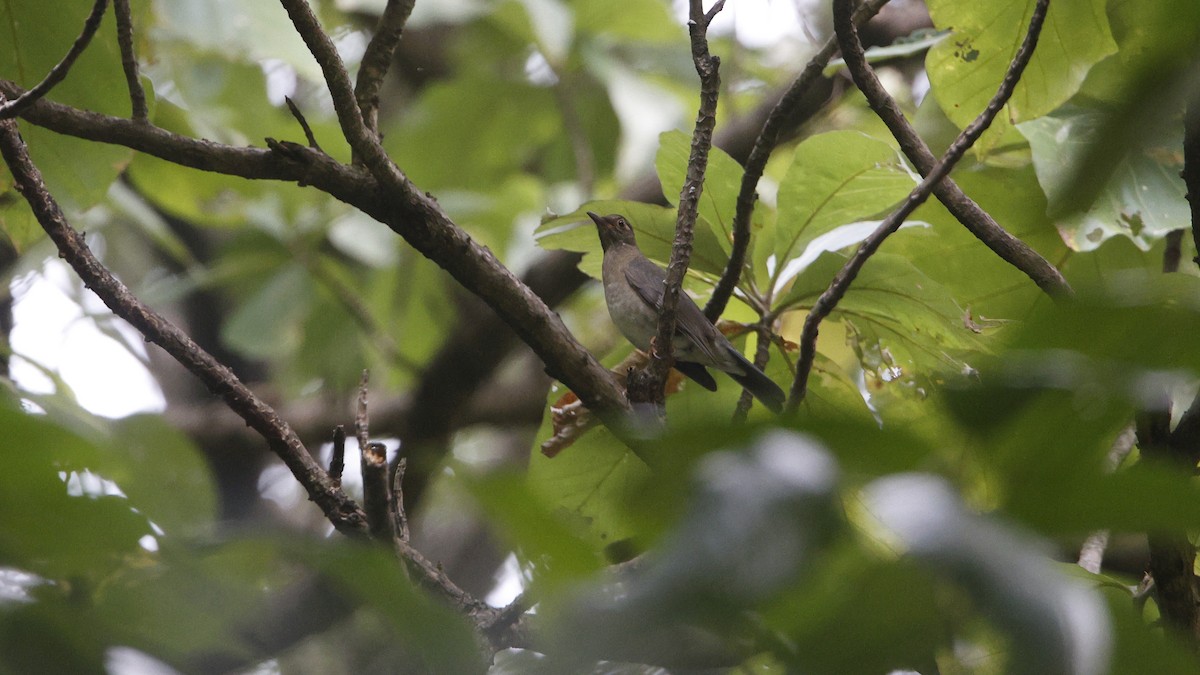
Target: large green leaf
{"x": 511, "y": 124}
{"x": 900, "y": 322}
{"x": 966, "y": 69}
{"x": 64, "y": 515}
{"x": 591, "y": 483}
{"x": 1143, "y": 199}
{"x": 722, "y": 181}
{"x": 836, "y": 178}
{"x": 269, "y": 322}
{"x": 78, "y": 173}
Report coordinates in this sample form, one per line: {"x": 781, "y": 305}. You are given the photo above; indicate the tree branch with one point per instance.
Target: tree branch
{"x": 16, "y": 106}
{"x": 377, "y": 59}
{"x": 756, "y": 163}
{"x": 137, "y": 95}
{"x": 842, "y": 280}
{"x": 649, "y": 387}
{"x": 981, "y": 224}
{"x": 411, "y": 214}
{"x": 337, "y": 507}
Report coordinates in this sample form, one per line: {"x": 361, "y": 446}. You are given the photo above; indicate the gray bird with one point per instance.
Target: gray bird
{"x": 633, "y": 289}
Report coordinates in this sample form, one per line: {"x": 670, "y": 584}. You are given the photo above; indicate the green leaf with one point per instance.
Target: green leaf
{"x": 551, "y": 538}
{"x": 650, "y": 22}
{"x": 77, "y": 172}
{"x": 722, "y": 182}
{"x": 249, "y": 31}
{"x": 966, "y": 70}
{"x": 269, "y": 322}
{"x": 900, "y": 322}
{"x": 655, "y": 228}
{"x": 591, "y": 482}
{"x": 1143, "y": 198}
{"x": 48, "y": 474}
{"x": 163, "y": 473}
{"x": 511, "y": 124}
{"x": 836, "y": 178}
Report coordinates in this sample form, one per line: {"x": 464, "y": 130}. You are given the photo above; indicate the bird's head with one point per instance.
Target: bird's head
{"x": 614, "y": 229}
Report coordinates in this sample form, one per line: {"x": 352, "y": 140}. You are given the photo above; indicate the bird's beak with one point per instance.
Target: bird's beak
{"x": 599, "y": 220}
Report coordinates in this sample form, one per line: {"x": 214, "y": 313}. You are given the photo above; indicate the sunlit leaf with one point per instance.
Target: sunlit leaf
{"x": 836, "y": 178}
{"x": 966, "y": 69}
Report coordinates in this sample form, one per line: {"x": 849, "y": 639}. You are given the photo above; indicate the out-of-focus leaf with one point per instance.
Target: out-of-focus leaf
{"x": 1137, "y": 322}
{"x": 641, "y": 21}
{"x": 966, "y": 69}
{"x": 555, "y": 546}
{"x": 655, "y": 228}
{"x": 1144, "y": 198}
{"x": 164, "y": 475}
{"x": 591, "y": 482}
{"x": 510, "y": 124}
{"x": 836, "y": 178}
{"x": 757, "y": 521}
{"x": 65, "y": 517}
{"x": 1057, "y": 623}
{"x": 887, "y": 608}
{"x": 722, "y": 181}
{"x": 440, "y": 636}
{"x": 269, "y": 322}
{"x": 248, "y": 30}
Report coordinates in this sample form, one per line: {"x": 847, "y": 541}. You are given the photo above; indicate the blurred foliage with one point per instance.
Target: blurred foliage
{"x": 962, "y": 417}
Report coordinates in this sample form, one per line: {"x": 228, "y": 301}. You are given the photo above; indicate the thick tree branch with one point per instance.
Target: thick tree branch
{"x": 1011, "y": 249}
{"x": 770, "y": 136}
{"x": 19, "y": 104}
{"x": 377, "y": 59}
{"x": 338, "y": 508}
{"x": 649, "y": 388}
{"x": 841, "y": 282}
{"x": 410, "y": 213}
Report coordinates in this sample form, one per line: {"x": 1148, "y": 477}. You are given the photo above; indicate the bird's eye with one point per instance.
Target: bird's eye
{"x": 621, "y": 222}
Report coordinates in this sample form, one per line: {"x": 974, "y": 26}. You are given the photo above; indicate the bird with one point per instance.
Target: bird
{"x": 633, "y": 291}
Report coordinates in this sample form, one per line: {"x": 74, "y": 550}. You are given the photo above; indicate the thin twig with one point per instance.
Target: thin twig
{"x": 756, "y": 163}
{"x": 362, "y": 417}
{"x": 337, "y": 461}
{"x": 376, "y": 492}
{"x": 337, "y": 507}
{"x": 842, "y": 280}
{"x": 762, "y": 356}
{"x": 363, "y": 140}
{"x": 137, "y": 95}
{"x": 377, "y": 59}
{"x": 15, "y": 107}
{"x": 308, "y": 132}
{"x": 647, "y": 386}
{"x": 980, "y": 223}
{"x": 399, "y": 517}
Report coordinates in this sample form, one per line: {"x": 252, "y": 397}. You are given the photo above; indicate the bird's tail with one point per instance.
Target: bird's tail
{"x": 756, "y": 382}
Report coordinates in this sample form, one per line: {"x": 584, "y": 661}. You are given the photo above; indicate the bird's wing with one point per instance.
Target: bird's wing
{"x": 648, "y": 281}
